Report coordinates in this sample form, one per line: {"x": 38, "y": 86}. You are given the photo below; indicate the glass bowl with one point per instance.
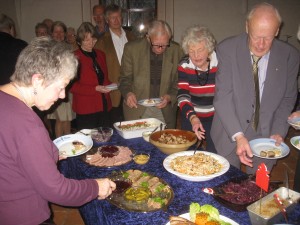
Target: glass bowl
{"x": 101, "y": 134}
{"x": 141, "y": 158}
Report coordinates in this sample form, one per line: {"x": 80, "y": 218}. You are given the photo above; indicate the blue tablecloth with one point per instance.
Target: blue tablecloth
{"x": 101, "y": 212}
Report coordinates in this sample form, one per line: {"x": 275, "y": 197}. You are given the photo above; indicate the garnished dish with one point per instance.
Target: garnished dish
{"x": 267, "y": 148}
{"x": 295, "y": 141}
{"x": 149, "y": 102}
{"x": 73, "y": 144}
{"x": 201, "y": 215}
{"x": 200, "y": 166}
{"x": 108, "y": 156}
{"x": 135, "y": 128}
{"x": 140, "y": 191}
{"x": 240, "y": 192}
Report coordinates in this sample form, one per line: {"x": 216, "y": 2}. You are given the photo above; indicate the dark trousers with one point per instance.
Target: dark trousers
{"x": 206, "y": 122}
{"x": 117, "y": 114}
{"x": 93, "y": 120}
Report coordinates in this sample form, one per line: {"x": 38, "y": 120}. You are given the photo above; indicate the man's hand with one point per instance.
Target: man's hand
{"x": 243, "y": 150}
{"x": 131, "y": 100}
{"x": 277, "y": 138}
{"x": 164, "y": 101}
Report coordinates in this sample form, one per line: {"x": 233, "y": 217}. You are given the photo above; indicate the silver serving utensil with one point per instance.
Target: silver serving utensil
{"x": 83, "y": 133}
{"x": 154, "y": 130}
{"x": 289, "y": 199}
{"x": 199, "y": 144}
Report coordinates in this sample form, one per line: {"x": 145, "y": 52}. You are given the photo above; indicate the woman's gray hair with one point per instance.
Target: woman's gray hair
{"x": 194, "y": 35}
{"x": 53, "y": 60}
{"x": 85, "y": 28}
{"x": 159, "y": 28}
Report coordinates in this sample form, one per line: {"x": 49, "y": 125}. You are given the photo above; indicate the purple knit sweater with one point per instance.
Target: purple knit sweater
{"x": 29, "y": 178}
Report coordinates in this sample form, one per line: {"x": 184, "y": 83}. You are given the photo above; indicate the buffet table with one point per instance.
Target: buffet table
{"x": 101, "y": 212}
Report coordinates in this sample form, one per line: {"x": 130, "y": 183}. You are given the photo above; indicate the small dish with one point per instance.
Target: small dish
{"x": 141, "y": 158}
{"x": 267, "y": 144}
{"x": 295, "y": 141}
{"x": 146, "y": 135}
{"x": 101, "y": 134}
{"x": 149, "y": 102}
{"x": 112, "y": 86}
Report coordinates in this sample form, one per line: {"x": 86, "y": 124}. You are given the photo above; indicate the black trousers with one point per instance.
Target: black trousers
{"x": 93, "y": 120}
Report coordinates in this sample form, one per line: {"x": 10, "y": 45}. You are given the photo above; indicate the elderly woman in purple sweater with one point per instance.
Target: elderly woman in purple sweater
{"x": 29, "y": 178}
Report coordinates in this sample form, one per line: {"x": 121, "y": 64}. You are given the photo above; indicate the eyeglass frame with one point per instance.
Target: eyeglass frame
{"x": 159, "y": 46}
{"x": 199, "y": 79}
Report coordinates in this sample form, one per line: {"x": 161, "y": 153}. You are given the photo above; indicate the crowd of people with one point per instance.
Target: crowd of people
{"x": 229, "y": 93}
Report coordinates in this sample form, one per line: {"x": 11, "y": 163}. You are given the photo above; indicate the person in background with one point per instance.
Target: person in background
{"x": 63, "y": 114}
{"x": 91, "y": 100}
{"x": 71, "y": 38}
{"x": 296, "y": 114}
{"x": 28, "y": 156}
{"x": 99, "y": 19}
{"x": 149, "y": 70}
{"x": 41, "y": 29}
{"x": 196, "y": 82}
{"x": 49, "y": 24}
{"x": 248, "y": 108}
{"x": 112, "y": 44}
{"x": 10, "y": 48}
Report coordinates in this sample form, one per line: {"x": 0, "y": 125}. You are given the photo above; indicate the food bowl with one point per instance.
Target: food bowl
{"x": 141, "y": 158}
{"x": 176, "y": 145}
{"x": 146, "y": 135}
{"x": 101, "y": 134}
{"x": 270, "y": 213}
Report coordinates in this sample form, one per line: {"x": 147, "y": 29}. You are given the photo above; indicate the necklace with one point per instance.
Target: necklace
{"x": 21, "y": 94}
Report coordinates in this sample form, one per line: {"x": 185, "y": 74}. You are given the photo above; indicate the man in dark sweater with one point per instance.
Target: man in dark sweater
{"x": 10, "y": 48}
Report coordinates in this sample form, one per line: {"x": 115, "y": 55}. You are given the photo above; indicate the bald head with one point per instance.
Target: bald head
{"x": 262, "y": 26}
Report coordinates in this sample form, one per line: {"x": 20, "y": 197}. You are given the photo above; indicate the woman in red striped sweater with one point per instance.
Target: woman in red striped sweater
{"x": 196, "y": 82}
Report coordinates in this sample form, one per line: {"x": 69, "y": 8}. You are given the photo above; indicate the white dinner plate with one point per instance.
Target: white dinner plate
{"x": 149, "y": 102}
{"x": 66, "y": 148}
{"x": 224, "y": 218}
{"x": 265, "y": 144}
{"x": 295, "y": 141}
{"x": 295, "y": 122}
{"x": 221, "y": 160}
{"x": 112, "y": 86}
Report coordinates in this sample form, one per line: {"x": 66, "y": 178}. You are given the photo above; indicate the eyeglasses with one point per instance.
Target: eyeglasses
{"x": 202, "y": 78}
{"x": 159, "y": 46}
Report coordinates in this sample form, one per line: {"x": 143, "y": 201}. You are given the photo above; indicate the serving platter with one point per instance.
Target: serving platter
{"x": 66, "y": 147}
{"x": 149, "y": 102}
{"x": 224, "y": 218}
{"x": 135, "y": 128}
{"x": 239, "y": 192}
{"x": 95, "y": 158}
{"x": 160, "y": 192}
{"x": 295, "y": 141}
{"x": 268, "y": 144}
{"x": 224, "y": 162}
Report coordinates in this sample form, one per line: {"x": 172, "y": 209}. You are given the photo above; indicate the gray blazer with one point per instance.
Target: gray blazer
{"x": 135, "y": 77}
{"x": 235, "y": 95}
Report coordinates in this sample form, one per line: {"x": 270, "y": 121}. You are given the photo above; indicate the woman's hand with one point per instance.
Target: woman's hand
{"x": 197, "y": 127}
{"x": 102, "y": 89}
{"x": 106, "y": 187}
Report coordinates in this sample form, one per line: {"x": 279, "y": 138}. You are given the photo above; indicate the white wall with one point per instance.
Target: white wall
{"x": 225, "y": 17}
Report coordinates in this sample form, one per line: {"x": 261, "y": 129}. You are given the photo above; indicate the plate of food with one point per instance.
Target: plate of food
{"x": 135, "y": 128}
{"x": 266, "y": 148}
{"x": 73, "y": 144}
{"x": 239, "y": 192}
{"x": 295, "y": 122}
{"x": 108, "y": 156}
{"x": 201, "y": 166}
{"x": 295, "y": 141}
{"x": 149, "y": 102}
{"x": 201, "y": 215}
{"x": 139, "y": 191}
{"x": 112, "y": 86}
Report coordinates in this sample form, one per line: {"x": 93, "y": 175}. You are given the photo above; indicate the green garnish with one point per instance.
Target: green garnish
{"x": 145, "y": 184}
{"x": 73, "y": 151}
{"x": 125, "y": 174}
{"x": 159, "y": 188}
{"x": 144, "y": 174}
